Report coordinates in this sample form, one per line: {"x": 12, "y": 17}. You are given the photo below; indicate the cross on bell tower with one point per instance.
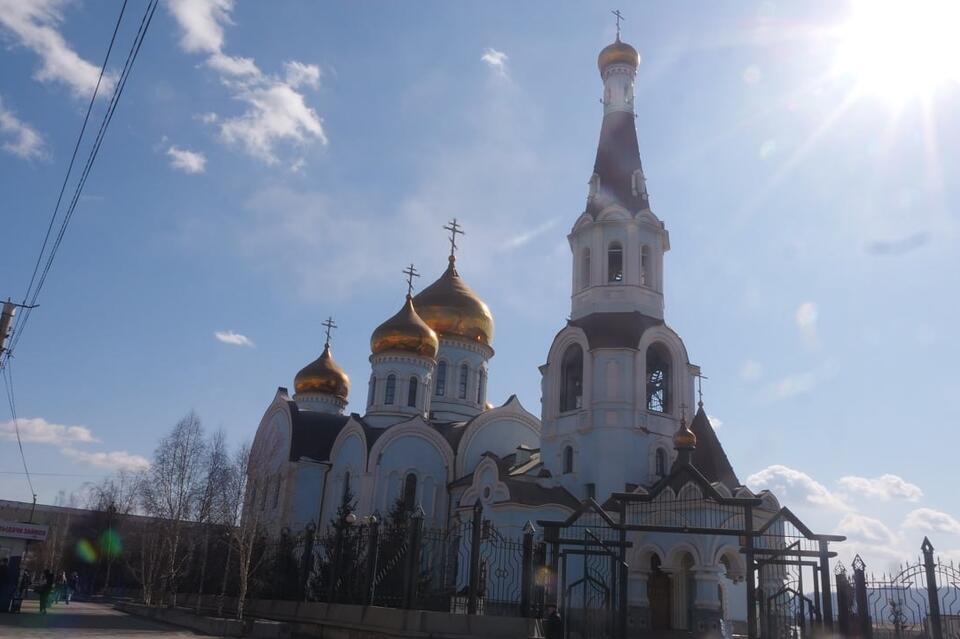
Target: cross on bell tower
{"x": 410, "y": 272}
{"x": 330, "y": 325}
{"x": 619, "y": 18}
{"x": 455, "y": 230}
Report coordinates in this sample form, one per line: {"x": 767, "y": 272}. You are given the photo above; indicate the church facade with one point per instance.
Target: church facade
{"x": 618, "y": 391}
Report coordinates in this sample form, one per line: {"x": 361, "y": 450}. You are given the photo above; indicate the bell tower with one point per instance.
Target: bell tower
{"x": 617, "y": 377}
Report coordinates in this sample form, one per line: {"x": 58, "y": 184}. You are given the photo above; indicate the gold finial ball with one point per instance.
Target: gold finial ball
{"x": 405, "y": 332}
{"x": 452, "y": 309}
{"x": 618, "y": 52}
{"x": 684, "y": 437}
{"x": 323, "y": 375}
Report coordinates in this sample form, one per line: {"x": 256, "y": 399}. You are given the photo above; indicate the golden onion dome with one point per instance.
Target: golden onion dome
{"x": 618, "y": 52}
{"x": 452, "y": 309}
{"x": 684, "y": 437}
{"x": 405, "y": 332}
{"x": 323, "y": 375}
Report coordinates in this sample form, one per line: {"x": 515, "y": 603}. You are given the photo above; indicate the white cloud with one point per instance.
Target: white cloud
{"x": 793, "y": 485}
{"x": 202, "y": 23}
{"x": 110, "y": 460}
{"x": 299, "y": 74}
{"x": 229, "y": 337}
{"x": 806, "y": 318}
{"x": 751, "y": 370}
{"x": 885, "y": 487}
{"x": 792, "y": 385}
{"x": 930, "y": 520}
{"x": 276, "y": 111}
{"x": 863, "y": 529}
{"x": 715, "y": 421}
{"x": 18, "y": 137}
{"x": 33, "y": 24}
{"x": 186, "y": 160}
{"x": 497, "y": 60}
{"x": 37, "y": 430}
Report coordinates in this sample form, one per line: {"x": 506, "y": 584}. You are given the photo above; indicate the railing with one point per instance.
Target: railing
{"x": 920, "y": 601}
{"x": 468, "y": 568}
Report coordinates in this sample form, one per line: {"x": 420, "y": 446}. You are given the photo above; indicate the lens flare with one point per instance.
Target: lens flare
{"x": 86, "y": 552}
{"x": 110, "y": 545}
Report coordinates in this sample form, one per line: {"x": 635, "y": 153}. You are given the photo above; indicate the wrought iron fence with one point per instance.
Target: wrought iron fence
{"x": 470, "y": 567}
{"x": 919, "y": 601}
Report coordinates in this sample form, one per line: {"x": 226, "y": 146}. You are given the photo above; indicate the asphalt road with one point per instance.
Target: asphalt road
{"x": 86, "y": 620}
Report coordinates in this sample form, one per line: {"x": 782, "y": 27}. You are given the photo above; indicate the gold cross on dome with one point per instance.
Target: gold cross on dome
{"x": 330, "y": 326}
{"x": 700, "y": 378}
{"x": 410, "y": 272}
{"x": 619, "y": 18}
{"x": 454, "y": 229}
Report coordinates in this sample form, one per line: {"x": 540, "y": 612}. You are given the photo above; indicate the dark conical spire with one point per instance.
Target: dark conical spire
{"x": 617, "y": 171}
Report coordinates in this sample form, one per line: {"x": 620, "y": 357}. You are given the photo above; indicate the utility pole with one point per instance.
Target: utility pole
{"x": 6, "y": 319}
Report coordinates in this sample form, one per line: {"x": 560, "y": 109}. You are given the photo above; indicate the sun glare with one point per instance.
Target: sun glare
{"x": 901, "y": 49}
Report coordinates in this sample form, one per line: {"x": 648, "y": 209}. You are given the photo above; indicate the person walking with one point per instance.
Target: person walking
{"x": 60, "y": 587}
{"x": 73, "y": 581}
{"x": 45, "y": 591}
{"x": 553, "y": 624}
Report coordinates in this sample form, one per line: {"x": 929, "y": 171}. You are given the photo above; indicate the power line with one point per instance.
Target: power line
{"x": 8, "y": 387}
{"x": 94, "y": 150}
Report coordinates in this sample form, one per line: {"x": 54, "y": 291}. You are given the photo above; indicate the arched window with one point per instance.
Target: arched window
{"x": 585, "y": 269}
{"x": 644, "y": 266}
{"x": 658, "y": 379}
{"x": 462, "y": 387}
{"x": 615, "y": 262}
{"x": 410, "y": 492}
{"x": 571, "y": 378}
{"x": 372, "y": 393}
{"x": 412, "y": 392}
{"x": 482, "y": 387}
{"x": 568, "y": 460}
{"x": 391, "y": 390}
{"x": 661, "y": 463}
{"x": 441, "y": 386}
{"x": 347, "y": 495}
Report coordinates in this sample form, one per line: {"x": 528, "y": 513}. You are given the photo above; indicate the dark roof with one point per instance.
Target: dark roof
{"x": 452, "y": 431}
{"x": 709, "y": 457}
{"x": 521, "y": 480}
{"x": 529, "y": 492}
{"x": 615, "y": 330}
{"x": 618, "y": 156}
{"x": 313, "y": 433}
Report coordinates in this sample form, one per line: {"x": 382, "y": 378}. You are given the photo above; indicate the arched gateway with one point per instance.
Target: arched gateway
{"x": 676, "y": 556}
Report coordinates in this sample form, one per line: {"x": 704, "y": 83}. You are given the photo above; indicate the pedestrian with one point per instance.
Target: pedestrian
{"x": 45, "y": 591}
{"x": 61, "y": 587}
{"x": 553, "y": 624}
{"x": 73, "y": 582}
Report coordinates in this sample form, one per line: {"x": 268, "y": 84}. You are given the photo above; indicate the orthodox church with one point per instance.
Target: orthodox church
{"x": 618, "y": 388}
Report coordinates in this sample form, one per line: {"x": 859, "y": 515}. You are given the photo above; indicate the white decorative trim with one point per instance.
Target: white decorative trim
{"x": 512, "y": 410}
{"x": 415, "y": 427}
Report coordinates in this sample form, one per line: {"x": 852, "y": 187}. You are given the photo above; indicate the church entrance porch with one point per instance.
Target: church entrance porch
{"x": 683, "y": 556}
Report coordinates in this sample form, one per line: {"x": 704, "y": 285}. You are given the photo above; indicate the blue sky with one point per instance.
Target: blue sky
{"x": 271, "y": 164}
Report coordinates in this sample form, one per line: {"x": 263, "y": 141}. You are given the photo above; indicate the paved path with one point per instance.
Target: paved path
{"x": 85, "y": 620}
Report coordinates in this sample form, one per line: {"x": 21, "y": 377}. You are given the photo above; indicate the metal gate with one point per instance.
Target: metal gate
{"x": 590, "y": 583}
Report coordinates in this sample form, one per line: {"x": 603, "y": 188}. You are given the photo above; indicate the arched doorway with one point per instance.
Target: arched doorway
{"x": 658, "y": 593}
{"x": 684, "y": 592}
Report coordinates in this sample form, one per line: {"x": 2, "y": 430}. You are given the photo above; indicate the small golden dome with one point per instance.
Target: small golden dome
{"x": 618, "y": 52}
{"x": 323, "y": 375}
{"x": 451, "y": 308}
{"x": 406, "y": 332}
{"x": 684, "y": 437}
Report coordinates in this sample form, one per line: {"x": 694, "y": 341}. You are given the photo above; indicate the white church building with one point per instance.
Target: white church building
{"x": 617, "y": 406}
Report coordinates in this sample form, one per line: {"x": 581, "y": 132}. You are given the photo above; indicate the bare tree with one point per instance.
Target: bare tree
{"x": 246, "y": 530}
{"x": 171, "y": 490}
{"x": 211, "y": 500}
{"x": 112, "y": 499}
